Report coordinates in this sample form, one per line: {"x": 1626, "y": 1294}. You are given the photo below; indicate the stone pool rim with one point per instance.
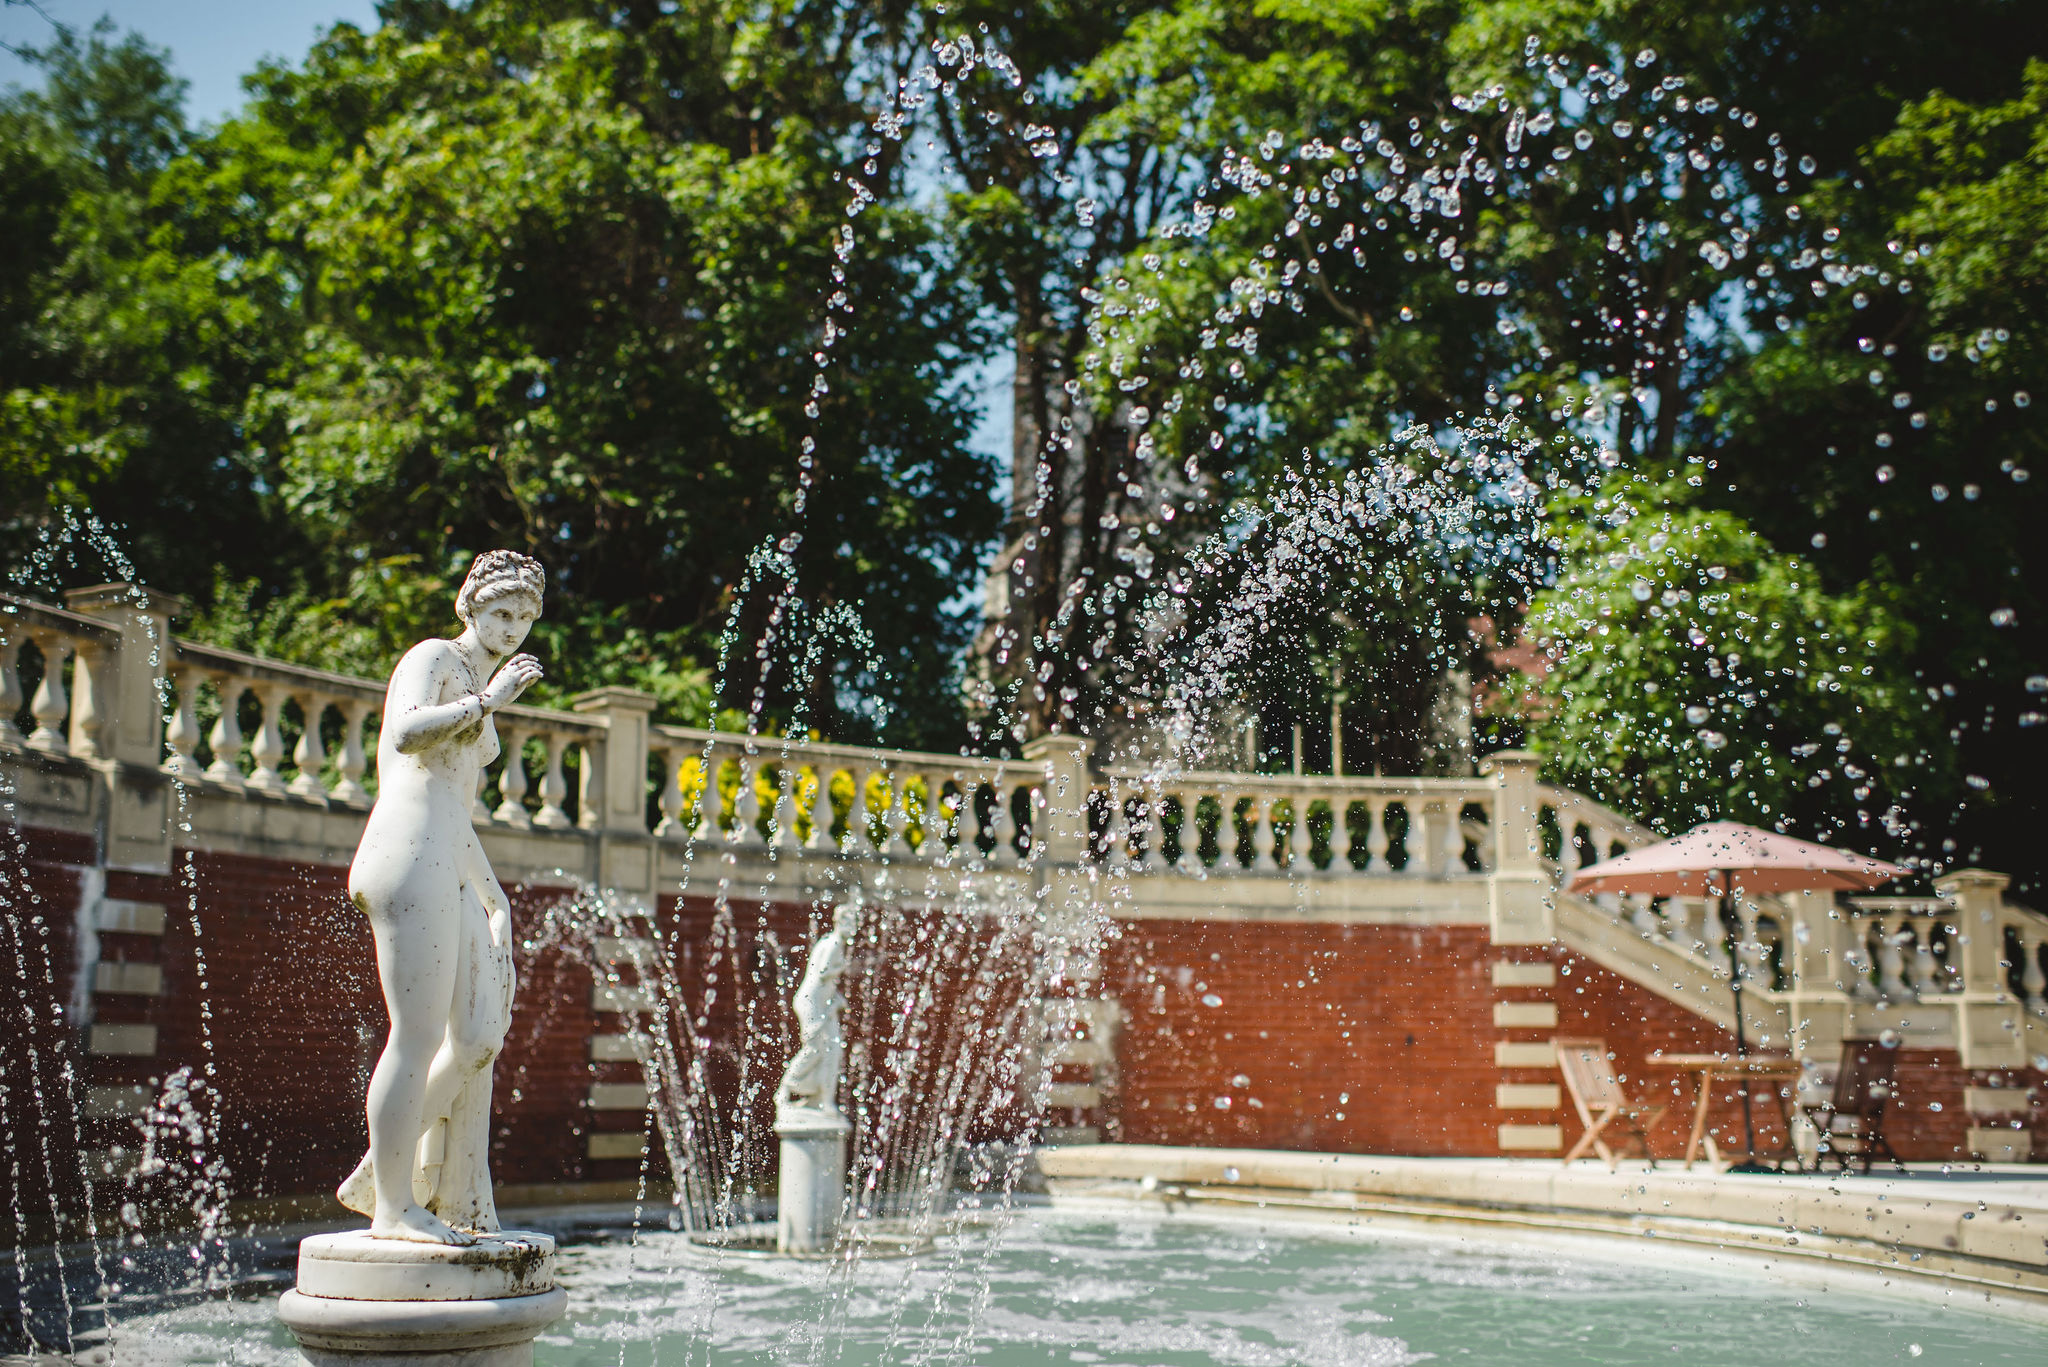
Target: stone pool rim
{"x": 1879, "y": 1226}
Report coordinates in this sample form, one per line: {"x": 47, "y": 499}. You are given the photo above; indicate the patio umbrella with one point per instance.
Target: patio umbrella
{"x": 1714, "y": 860}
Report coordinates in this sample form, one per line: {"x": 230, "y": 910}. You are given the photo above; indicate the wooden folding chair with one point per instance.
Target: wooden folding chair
{"x": 1596, "y": 1092}
{"x": 1851, "y": 1120}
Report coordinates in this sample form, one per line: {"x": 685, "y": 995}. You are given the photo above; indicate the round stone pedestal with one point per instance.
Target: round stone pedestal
{"x": 811, "y": 1182}
{"x": 364, "y": 1302}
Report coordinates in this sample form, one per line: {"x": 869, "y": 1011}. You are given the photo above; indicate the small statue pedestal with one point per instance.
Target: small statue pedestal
{"x": 364, "y": 1302}
{"x": 811, "y": 1186}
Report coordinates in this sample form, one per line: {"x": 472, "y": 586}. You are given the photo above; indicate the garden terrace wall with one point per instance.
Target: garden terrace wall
{"x": 1423, "y": 908}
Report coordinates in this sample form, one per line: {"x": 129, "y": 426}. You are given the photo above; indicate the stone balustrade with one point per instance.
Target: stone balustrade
{"x": 791, "y": 794}
{"x": 1230, "y": 823}
{"x": 98, "y": 692}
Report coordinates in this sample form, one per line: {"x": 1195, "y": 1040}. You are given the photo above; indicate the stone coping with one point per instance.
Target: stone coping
{"x": 1981, "y": 1228}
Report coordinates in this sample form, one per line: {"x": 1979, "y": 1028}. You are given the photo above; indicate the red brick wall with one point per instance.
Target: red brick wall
{"x": 1362, "y": 1038}
{"x": 1398, "y": 1017}
{"x": 41, "y": 879}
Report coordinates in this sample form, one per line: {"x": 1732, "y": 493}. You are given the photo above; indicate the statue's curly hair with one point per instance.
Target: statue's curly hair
{"x": 499, "y": 574}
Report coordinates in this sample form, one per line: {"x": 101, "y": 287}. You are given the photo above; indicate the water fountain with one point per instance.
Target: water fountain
{"x": 1034, "y": 857}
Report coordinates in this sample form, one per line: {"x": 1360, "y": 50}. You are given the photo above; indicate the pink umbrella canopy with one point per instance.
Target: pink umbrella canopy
{"x": 1721, "y": 856}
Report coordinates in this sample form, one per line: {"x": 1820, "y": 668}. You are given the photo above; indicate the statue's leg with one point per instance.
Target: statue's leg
{"x": 412, "y": 905}
{"x": 461, "y": 1086}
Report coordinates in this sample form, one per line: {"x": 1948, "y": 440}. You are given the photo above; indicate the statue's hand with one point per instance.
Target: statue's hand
{"x": 510, "y": 681}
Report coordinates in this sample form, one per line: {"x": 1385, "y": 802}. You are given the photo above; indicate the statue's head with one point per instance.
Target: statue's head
{"x": 501, "y": 598}
{"x": 846, "y": 917}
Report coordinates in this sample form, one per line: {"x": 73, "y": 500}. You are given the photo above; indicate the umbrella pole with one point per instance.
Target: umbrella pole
{"x": 1735, "y": 976}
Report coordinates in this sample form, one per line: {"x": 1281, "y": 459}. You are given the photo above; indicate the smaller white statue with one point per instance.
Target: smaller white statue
{"x": 810, "y": 1084}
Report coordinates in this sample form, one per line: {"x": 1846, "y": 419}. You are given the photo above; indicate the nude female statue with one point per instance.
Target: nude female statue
{"x": 810, "y": 1084}
{"x": 442, "y": 926}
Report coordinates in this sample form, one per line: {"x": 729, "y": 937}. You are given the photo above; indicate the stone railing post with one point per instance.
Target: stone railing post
{"x": 1061, "y": 876}
{"x": 613, "y": 791}
{"x": 1518, "y": 894}
{"x": 119, "y": 719}
{"x": 1990, "y": 1023}
{"x": 1978, "y": 895}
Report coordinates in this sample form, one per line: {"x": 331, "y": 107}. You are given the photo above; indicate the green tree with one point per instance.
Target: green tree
{"x": 132, "y": 322}
{"x": 1692, "y": 673}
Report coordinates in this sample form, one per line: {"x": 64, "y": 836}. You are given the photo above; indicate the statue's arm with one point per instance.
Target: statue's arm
{"x": 413, "y": 713}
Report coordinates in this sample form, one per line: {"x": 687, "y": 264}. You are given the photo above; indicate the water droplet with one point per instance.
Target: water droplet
{"x": 2020, "y": 398}
{"x": 1885, "y": 473}
{"x": 2003, "y": 617}
{"x": 1937, "y": 352}
{"x": 1211, "y": 999}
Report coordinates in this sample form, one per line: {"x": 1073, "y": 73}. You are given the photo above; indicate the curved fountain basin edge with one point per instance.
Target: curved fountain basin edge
{"x": 1997, "y": 1247}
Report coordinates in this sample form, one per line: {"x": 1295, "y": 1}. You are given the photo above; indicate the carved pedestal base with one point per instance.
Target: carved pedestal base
{"x": 364, "y": 1302}
{"x": 811, "y": 1187}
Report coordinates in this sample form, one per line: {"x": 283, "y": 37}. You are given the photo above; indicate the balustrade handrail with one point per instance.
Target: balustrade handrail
{"x": 1320, "y": 785}
{"x": 773, "y": 747}
{"x": 1565, "y": 799}
{"x": 45, "y": 617}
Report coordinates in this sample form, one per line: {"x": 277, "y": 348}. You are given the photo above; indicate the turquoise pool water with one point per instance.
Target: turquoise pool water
{"x": 1126, "y": 1288}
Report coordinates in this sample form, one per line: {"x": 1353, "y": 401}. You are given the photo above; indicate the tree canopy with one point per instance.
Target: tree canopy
{"x": 691, "y": 299}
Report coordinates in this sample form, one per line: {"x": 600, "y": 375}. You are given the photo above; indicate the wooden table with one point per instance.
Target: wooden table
{"x": 1748, "y": 1070}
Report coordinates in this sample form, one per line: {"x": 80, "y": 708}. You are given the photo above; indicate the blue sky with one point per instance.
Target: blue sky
{"x": 213, "y": 43}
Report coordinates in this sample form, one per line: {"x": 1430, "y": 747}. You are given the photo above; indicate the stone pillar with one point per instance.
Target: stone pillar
{"x": 365, "y": 1302}
{"x": 811, "y": 1181}
{"x": 128, "y": 693}
{"x": 613, "y": 791}
{"x": 1062, "y": 875}
{"x": 1990, "y": 1024}
{"x": 1519, "y": 903}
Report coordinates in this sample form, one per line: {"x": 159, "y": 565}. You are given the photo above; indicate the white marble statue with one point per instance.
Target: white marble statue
{"x": 810, "y": 1084}
{"x": 442, "y": 926}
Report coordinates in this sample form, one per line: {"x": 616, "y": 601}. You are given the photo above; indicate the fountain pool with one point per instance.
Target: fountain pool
{"x": 1109, "y": 1284}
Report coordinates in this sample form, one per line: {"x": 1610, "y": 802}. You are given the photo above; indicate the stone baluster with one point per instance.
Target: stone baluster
{"x": 1927, "y": 976}
{"x": 52, "y": 703}
{"x": 782, "y": 833}
{"x": 1124, "y": 830}
{"x": 554, "y": 786}
{"x": 1640, "y": 916}
{"x": 1453, "y": 850}
{"x": 512, "y": 783}
{"x": 1713, "y": 932}
{"x": 10, "y": 691}
{"x": 896, "y": 821}
{"x": 855, "y": 841}
{"x": 1377, "y": 844}
{"x": 1423, "y": 838}
{"x": 1263, "y": 858}
{"x": 310, "y": 754}
{"x": 669, "y": 802}
{"x": 266, "y": 748}
{"x": 1002, "y": 825}
{"x": 746, "y": 801}
{"x": 226, "y": 736}
{"x": 1300, "y": 841}
{"x": 1891, "y": 957}
{"x": 181, "y": 737}
{"x": 352, "y": 764}
{"x": 1479, "y": 832}
{"x": 2032, "y": 979}
{"x": 89, "y": 669}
